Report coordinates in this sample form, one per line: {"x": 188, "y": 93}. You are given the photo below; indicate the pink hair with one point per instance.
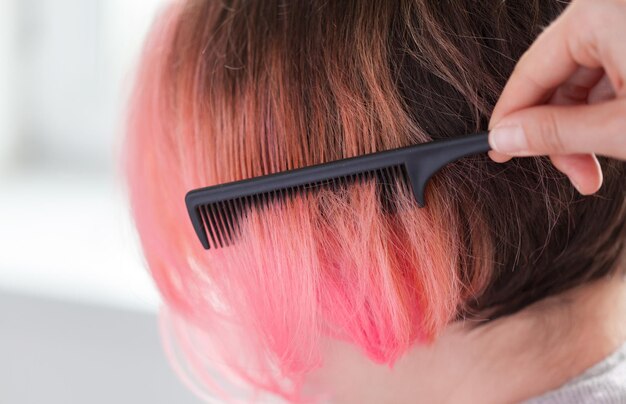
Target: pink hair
{"x": 328, "y": 265}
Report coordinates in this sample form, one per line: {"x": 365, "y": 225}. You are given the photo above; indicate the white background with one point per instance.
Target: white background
{"x": 78, "y": 308}
{"x": 66, "y": 68}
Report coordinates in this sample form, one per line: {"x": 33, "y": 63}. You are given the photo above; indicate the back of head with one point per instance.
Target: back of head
{"x": 234, "y": 89}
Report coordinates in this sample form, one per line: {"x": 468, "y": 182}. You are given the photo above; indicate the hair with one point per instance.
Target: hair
{"x": 234, "y": 89}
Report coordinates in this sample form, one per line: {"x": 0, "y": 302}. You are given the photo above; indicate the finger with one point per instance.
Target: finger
{"x": 535, "y": 76}
{"x": 583, "y": 170}
{"x": 556, "y": 129}
{"x": 586, "y": 34}
{"x": 576, "y": 89}
{"x": 499, "y": 157}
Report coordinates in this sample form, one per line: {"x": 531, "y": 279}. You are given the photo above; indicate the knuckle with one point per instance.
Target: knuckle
{"x": 584, "y": 25}
{"x": 588, "y": 16}
{"x": 533, "y": 80}
{"x": 596, "y": 14}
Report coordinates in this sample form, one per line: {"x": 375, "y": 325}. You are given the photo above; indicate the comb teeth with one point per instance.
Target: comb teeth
{"x": 215, "y": 211}
{"x": 222, "y": 219}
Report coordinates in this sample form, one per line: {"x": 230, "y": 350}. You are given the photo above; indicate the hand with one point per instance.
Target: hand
{"x": 566, "y": 97}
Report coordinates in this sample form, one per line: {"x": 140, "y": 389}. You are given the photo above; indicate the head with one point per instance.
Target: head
{"x": 234, "y": 89}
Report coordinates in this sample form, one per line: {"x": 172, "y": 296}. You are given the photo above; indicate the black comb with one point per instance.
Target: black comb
{"x": 215, "y": 210}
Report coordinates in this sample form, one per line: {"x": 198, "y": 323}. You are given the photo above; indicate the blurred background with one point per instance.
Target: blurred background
{"x": 78, "y": 310}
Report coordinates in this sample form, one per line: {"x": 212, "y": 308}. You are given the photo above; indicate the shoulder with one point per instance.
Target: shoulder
{"x": 604, "y": 382}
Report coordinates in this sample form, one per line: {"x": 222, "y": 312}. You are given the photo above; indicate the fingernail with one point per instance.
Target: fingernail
{"x": 508, "y": 139}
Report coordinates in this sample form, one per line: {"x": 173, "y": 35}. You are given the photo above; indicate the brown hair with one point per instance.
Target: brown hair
{"x": 243, "y": 88}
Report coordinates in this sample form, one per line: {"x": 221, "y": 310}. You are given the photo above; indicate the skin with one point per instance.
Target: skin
{"x": 508, "y": 360}
{"x": 566, "y": 97}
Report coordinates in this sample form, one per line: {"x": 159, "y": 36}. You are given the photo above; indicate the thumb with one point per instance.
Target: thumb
{"x": 559, "y": 129}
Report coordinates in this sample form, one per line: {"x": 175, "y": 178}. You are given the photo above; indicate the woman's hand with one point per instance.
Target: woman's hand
{"x": 566, "y": 97}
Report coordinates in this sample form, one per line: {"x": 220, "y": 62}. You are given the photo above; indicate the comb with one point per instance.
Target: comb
{"x": 215, "y": 211}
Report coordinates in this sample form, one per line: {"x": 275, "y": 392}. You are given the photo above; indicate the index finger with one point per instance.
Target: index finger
{"x": 541, "y": 69}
